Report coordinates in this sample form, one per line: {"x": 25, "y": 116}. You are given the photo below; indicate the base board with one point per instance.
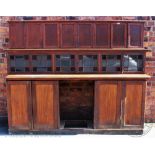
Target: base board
{"x": 80, "y": 131}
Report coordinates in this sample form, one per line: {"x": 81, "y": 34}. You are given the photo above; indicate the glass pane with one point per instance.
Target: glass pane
{"x": 65, "y": 63}
{"x": 19, "y": 63}
{"x": 133, "y": 63}
{"x": 41, "y": 63}
{"x": 88, "y": 63}
{"x": 111, "y": 63}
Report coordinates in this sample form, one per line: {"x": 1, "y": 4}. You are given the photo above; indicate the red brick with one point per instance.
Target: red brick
{"x": 152, "y": 38}
{"x": 150, "y": 23}
{"x": 129, "y": 17}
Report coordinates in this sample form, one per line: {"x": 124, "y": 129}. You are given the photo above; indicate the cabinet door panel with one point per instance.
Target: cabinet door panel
{"x": 16, "y": 31}
{"x": 51, "y": 35}
{"x": 45, "y": 105}
{"x": 135, "y": 32}
{"x": 19, "y": 107}
{"x": 102, "y": 35}
{"x": 68, "y": 35}
{"x": 34, "y": 35}
{"x": 85, "y": 35}
{"x": 134, "y": 98}
{"x": 107, "y": 104}
{"x": 118, "y": 35}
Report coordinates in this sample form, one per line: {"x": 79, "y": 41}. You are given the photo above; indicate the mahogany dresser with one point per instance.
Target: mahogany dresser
{"x": 76, "y": 77}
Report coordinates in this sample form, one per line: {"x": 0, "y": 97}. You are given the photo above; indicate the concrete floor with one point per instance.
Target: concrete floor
{"x": 78, "y": 144}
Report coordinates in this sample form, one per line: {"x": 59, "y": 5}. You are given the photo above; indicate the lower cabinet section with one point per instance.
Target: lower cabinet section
{"x": 119, "y": 104}
{"x": 34, "y": 105}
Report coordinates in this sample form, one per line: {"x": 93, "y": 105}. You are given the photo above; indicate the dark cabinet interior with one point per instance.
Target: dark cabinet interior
{"x": 76, "y": 103}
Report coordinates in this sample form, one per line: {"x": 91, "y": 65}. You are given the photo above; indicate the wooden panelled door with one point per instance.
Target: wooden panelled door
{"x": 45, "y": 105}
{"x": 19, "y": 105}
{"x": 133, "y": 104}
{"x": 107, "y": 104}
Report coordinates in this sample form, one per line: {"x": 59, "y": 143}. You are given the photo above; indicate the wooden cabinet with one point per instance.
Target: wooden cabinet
{"x": 33, "y": 105}
{"x": 45, "y": 105}
{"x": 19, "y": 105}
{"x": 107, "y": 104}
{"x": 119, "y": 104}
{"x": 98, "y": 66}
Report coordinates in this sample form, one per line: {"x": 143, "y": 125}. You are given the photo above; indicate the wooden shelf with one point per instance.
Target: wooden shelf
{"x": 77, "y": 76}
{"x": 52, "y": 21}
{"x": 81, "y": 49}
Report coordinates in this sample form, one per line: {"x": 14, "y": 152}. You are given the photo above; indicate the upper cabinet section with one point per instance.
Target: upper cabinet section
{"x": 76, "y": 34}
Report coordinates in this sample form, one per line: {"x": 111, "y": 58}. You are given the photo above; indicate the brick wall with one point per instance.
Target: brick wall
{"x": 3, "y": 64}
{"x": 149, "y": 41}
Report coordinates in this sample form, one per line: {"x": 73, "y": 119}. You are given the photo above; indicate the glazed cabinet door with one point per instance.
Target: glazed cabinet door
{"x": 19, "y": 105}
{"x": 107, "y": 104}
{"x": 45, "y": 105}
{"x": 134, "y": 103}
